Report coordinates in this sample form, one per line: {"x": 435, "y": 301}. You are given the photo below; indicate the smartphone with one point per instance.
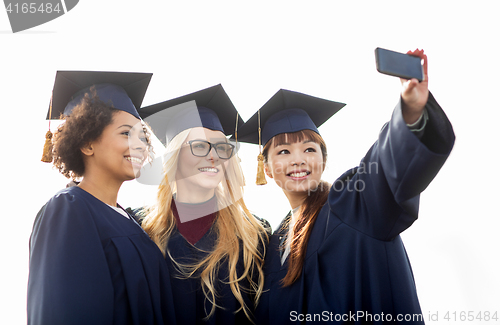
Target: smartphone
{"x": 399, "y": 64}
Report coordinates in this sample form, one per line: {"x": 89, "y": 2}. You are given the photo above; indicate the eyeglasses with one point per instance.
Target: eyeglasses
{"x": 201, "y": 148}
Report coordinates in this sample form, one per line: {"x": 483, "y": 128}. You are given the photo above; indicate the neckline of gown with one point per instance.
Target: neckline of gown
{"x": 92, "y": 197}
{"x": 195, "y": 230}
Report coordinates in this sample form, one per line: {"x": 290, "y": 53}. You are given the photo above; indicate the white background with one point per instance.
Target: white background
{"x": 322, "y": 48}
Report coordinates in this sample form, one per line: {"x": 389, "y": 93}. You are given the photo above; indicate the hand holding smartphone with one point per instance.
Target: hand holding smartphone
{"x": 399, "y": 64}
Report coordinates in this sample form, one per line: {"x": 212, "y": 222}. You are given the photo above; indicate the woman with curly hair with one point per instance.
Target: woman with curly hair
{"x": 212, "y": 243}
{"x": 90, "y": 262}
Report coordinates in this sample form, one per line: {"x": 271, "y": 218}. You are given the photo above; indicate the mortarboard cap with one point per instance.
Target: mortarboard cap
{"x": 124, "y": 90}
{"x": 210, "y": 108}
{"x": 286, "y": 112}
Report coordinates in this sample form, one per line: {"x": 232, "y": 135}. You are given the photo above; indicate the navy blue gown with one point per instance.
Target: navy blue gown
{"x": 190, "y": 303}
{"x": 91, "y": 265}
{"x": 356, "y": 269}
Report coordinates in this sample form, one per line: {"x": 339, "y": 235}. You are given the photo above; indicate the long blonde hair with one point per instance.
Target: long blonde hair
{"x": 234, "y": 225}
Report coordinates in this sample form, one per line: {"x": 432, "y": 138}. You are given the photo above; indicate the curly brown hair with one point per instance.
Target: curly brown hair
{"x": 85, "y": 125}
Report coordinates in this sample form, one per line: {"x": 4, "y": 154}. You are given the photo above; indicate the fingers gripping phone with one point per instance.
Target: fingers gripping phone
{"x": 399, "y": 64}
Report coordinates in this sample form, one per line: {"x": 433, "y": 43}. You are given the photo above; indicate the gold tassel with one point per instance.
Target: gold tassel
{"x": 261, "y": 176}
{"x": 47, "y": 148}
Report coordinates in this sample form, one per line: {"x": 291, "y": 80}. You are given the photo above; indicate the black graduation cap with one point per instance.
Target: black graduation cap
{"x": 287, "y": 111}
{"x": 210, "y": 108}
{"x": 124, "y": 90}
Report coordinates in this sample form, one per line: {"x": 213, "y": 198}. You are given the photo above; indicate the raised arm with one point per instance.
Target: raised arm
{"x": 381, "y": 195}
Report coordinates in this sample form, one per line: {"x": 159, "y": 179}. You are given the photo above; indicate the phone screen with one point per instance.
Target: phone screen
{"x": 398, "y": 64}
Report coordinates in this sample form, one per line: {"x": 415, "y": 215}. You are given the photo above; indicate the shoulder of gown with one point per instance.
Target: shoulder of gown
{"x": 382, "y": 193}
{"x": 69, "y": 277}
{"x": 86, "y": 266}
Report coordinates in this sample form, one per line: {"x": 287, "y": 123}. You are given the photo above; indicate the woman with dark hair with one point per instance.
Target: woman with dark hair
{"x": 90, "y": 262}
{"x": 338, "y": 256}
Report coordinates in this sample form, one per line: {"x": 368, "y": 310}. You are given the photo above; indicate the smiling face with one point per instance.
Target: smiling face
{"x": 196, "y": 176}
{"x": 118, "y": 154}
{"x": 295, "y": 162}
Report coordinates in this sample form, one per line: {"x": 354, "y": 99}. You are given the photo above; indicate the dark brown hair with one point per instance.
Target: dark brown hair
{"x": 309, "y": 209}
{"x": 85, "y": 125}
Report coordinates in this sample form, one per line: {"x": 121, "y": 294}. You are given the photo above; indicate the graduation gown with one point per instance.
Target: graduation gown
{"x": 190, "y": 303}
{"x": 356, "y": 269}
{"x": 91, "y": 265}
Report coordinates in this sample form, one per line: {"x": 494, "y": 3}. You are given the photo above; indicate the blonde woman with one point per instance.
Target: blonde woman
{"x": 212, "y": 243}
